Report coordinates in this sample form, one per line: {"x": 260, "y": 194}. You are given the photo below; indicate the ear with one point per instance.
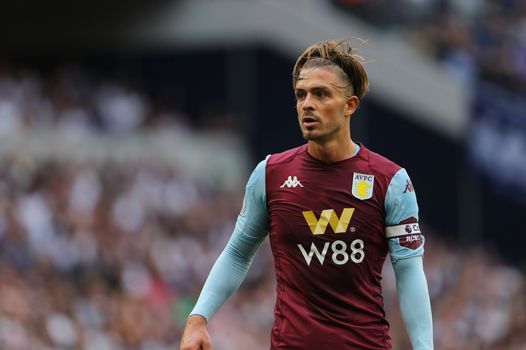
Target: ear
{"x": 351, "y": 105}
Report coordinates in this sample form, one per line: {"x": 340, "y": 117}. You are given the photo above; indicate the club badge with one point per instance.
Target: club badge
{"x": 362, "y": 186}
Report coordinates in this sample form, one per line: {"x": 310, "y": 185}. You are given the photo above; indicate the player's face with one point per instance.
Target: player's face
{"x": 322, "y": 106}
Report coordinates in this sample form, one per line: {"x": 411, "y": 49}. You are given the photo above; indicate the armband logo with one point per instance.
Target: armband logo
{"x": 411, "y": 241}
{"x": 412, "y": 228}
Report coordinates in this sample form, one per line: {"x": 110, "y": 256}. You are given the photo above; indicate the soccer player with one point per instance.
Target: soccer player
{"x": 333, "y": 210}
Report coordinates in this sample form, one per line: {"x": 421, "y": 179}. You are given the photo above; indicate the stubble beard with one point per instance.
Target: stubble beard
{"x": 318, "y": 136}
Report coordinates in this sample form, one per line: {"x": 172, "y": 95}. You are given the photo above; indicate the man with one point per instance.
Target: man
{"x": 333, "y": 210}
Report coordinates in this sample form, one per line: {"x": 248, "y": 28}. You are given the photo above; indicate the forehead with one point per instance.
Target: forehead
{"x": 319, "y": 76}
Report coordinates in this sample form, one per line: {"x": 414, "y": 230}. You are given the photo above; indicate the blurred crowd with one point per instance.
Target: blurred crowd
{"x": 103, "y": 257}
{"x": 113, "y": 255}
{"x": 71, "y": 99}
{"x": 472, "y": 39}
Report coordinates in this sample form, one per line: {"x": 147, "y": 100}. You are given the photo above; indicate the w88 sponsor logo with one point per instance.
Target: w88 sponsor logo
{"x": 340, "y": 252}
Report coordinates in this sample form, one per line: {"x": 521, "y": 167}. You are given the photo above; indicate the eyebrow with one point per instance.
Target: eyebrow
{"x": 320, "y": 86}
{"x": 316, "y": 87}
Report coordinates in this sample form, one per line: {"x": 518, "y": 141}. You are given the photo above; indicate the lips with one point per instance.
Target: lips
{"x": 309, "y": 123}
{"x": 309, "y": 119}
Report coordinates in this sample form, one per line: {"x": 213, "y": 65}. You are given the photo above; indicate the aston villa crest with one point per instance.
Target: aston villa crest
{"x": 362, "y": 186}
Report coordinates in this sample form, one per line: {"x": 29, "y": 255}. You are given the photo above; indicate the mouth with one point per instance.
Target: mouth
{"x": 309, "y": 121}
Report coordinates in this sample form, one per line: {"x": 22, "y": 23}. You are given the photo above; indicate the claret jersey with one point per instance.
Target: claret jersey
{"x": 327, "y": 229}
{"x": 331, "y": 227}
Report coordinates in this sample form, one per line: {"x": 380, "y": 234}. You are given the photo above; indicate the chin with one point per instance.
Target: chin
{"x": 310, "y": 137}
{"x": 308, "y": 134}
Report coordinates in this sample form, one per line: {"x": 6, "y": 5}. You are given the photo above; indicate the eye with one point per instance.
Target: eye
{"x": 322, "y": 93}
{"x": 300, "y": 95}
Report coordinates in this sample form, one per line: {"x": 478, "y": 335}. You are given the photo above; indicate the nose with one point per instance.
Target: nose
{"x": 308, "y": 103}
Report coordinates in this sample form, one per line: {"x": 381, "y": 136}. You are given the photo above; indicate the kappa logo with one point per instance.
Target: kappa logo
{"x": 409, "y": 187}
{"x": 292, "y": 181}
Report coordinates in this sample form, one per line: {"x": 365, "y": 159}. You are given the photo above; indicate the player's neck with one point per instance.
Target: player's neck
{"x": 332, "y": 151}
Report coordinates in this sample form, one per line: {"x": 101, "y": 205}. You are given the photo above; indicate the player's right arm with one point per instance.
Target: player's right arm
{"x": 232, "y": 265}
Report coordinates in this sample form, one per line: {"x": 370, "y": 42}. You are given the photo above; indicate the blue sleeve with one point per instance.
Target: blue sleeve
{"x": 232, "y": 265}
{"x": 406, "y": 248}
{"x": 415, "y": 305}
{"x": 401, "y": 219}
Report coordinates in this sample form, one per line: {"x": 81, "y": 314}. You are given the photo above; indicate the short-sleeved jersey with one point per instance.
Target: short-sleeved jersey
{"x": 327, "y": 229}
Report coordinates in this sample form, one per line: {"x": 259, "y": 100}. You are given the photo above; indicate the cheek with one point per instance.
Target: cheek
{"x": 298, "y": 107}
{"x": 330, "y": 111}
{"x": 338, "y": 109}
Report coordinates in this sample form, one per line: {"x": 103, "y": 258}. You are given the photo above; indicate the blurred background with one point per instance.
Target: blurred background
{"x": 128, "y": 131}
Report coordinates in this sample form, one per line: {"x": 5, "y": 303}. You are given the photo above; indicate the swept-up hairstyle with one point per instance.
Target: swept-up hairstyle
{"x": 339, "y": 54}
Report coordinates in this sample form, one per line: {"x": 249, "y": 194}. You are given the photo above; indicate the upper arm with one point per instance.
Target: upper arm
{"x": 252, "y": 222}
{"x": 401, "y": 219}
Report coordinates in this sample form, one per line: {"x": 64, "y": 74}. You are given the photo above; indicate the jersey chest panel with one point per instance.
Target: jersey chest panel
{"x": 327, "y": 235}
{"x": 318, "y": 227}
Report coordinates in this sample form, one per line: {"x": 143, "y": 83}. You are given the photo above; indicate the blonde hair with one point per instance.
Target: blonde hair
{"x": 339, "y": 54}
